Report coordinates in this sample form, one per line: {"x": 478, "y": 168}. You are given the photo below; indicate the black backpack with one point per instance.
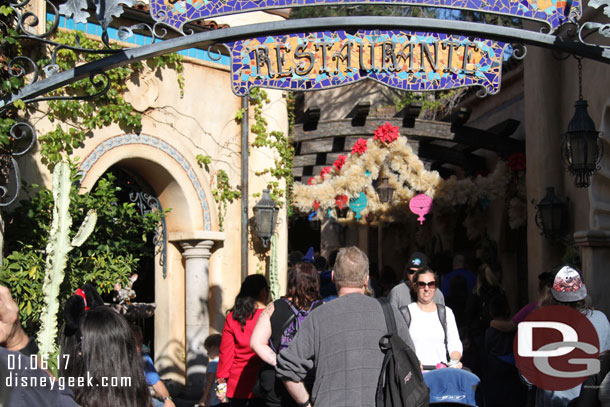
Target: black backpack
{"x": 442, "y": 316}
{"x": 401, "y": 383}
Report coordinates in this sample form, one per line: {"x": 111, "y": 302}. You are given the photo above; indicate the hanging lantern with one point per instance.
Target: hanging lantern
{"x": 552, "y": 215}
{"x": 385, "y": 191}
{"x": 265, "y": 213}
{"x": 342, "y": 212}
{"x": 581, "y": 149}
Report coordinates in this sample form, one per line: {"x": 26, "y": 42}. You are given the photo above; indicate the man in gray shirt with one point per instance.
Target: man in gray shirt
{"x": 403, "y": 294}
{"x": 341, "y": 340}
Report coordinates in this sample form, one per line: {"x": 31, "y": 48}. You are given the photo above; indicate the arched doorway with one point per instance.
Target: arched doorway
{"x": 180, "y": 284}
{"x": 131, "y": 188}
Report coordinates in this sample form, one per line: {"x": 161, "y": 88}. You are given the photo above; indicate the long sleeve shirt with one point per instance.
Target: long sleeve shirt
{"x": 237, "y": 363}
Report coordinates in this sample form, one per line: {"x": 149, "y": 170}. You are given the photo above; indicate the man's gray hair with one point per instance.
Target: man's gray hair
{"x": 351, "y": 267}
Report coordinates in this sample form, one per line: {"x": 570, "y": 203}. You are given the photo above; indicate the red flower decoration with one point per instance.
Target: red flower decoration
{"x": 341, "y": 200}
{"x": 360, "y": 147}
{"x": 339, "y": 162}
{"x": 386, "y": 133}
{"x": 325, "y": 171}
{"x": 516, "y": 162}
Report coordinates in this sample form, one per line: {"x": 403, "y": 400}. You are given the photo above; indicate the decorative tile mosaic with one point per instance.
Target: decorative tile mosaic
{"x": 176, "y": 13}
{"x": 412, "y": 61}
{"x": 127, "y": 139}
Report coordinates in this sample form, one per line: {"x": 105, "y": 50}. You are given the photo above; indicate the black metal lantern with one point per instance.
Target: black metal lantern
{"x": 265, "y": 213}
{"x": 552, "y": 215}
{"x": 342, "y": 212}
{"x": 581, "y": 149}
{"x": 385, "y": 191}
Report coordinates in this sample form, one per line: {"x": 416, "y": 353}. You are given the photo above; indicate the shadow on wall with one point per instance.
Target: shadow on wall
{"x": 174, "y": 360}
{"x": 30, "y": 175}
{"x": 217, "y": 317}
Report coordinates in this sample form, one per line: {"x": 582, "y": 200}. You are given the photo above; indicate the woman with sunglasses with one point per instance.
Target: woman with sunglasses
{"x": 435, "y": 345}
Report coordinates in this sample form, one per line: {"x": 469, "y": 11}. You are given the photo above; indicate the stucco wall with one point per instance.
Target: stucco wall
{"x": 175, "y": 129}
{"x": 551, "y": 88}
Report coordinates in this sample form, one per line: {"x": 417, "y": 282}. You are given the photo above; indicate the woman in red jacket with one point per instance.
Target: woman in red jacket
{"x": 238, "y": 365}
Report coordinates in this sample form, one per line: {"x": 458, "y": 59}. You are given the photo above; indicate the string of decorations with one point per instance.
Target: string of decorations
{"x": 350, "y": 182}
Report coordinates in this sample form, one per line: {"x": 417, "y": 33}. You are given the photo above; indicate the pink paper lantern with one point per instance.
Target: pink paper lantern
{"x": 421, "y": 205}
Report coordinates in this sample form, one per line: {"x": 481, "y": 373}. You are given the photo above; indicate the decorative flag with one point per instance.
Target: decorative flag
{"x": 421, "y": 205}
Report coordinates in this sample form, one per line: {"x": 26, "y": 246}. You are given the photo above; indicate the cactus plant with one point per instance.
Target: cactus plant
{"x": 58, "y": 247}
{"x": 274, "y": 276}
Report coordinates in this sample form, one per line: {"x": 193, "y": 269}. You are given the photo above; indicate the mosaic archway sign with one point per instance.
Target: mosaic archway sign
{"x": 399, "y": 59}
{"x": 414, "y": 61}
{"x": 176, "y": 13}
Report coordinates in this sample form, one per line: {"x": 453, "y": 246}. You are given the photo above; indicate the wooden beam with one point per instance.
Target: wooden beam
{"x": 359, "y": 114}
{"x": 311, "y": 118}
{"x": 449, "y": 155}
{"x": 342, "y": 127}
{"x": 505, "y": 128}
{"x": 316, "y": 146}
{"x": 477, "y": 138}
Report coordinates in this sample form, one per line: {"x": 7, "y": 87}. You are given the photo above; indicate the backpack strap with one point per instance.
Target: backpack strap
{"x": 442, "y": 316}
{"x": 315, "y": 304}
{"x": 441, "y": 310}
{"x": 406, "y": 314}
{"x": 286, "y": 323}
{"x": 388, "y": 314}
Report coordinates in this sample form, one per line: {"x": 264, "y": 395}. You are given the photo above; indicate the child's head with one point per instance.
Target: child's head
{"x": 212, "y": 345}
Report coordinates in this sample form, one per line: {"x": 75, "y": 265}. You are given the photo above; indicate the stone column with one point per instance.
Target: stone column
{"x": 197, "y": 258}
{"x": 595, "y": 255}
{"x": 543, "y": 129}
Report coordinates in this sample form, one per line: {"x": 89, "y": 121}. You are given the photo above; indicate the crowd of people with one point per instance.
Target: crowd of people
{"x": 462, "y": 321}
{"x": 319, "y": 344}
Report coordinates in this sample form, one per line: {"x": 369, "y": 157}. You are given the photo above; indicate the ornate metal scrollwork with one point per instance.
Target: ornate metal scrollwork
{"x": 519, "y": 51}
{"x": 104, "y": 12}
{"x": 21, "y": 140}
{"x": 214, "y": 52}
{"x": 156, "y": 32}
{"x": 101, "y": 86}
{"x": 592, "y": 27}
{"x": 148, "y": 203}
{"x": 28, "y": 24}
{"x": 482, "y": 92}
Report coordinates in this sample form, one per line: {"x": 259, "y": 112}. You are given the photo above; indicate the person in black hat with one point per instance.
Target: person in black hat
{"x": 403, "y": 294}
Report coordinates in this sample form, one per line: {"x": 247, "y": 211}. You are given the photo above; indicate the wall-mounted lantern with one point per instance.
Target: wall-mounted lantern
{"x": 581, "y": 149}
{"x": 265, "y": 213}
{"x": 552, "y": 215}
{"x": 385, "y": 191}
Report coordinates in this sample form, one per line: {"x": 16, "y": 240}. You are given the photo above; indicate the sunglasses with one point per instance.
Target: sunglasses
{"x": 431, "y": 284}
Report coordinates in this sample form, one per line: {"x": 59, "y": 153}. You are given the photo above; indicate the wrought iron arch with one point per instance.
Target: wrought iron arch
{"x": 180, "y": 15}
